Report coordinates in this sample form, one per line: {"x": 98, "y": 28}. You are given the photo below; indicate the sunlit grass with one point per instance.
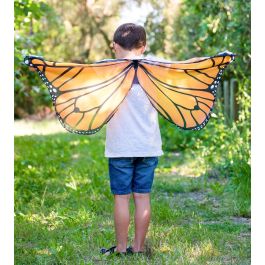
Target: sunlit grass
{"x": 44, "y": 127}
{"x": 64, "y": 208}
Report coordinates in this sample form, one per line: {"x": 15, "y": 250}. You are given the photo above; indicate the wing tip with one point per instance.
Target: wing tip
{"x": 28, "y": 59}
{"x": 227, "y": 53}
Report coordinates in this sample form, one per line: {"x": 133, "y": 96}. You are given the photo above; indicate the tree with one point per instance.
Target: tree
{"x": 76, "y": 31}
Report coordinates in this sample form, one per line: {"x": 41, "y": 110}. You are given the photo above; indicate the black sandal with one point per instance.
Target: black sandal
{"x": 129, "y": 250}
{"x": 110, "y": 251}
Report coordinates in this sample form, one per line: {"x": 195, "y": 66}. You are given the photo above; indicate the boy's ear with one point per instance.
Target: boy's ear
{"x": 144, "y": 48}
{"x": 114, "y": 46}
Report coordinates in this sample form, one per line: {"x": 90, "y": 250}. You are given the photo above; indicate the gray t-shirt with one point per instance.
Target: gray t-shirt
{"x": 134, "y": 131}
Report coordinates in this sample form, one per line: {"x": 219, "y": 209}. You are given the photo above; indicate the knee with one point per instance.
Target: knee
{"x": 122, "y": 197}
{"x": 137, "y": 196}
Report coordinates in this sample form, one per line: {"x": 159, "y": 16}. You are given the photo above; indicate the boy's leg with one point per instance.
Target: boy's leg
{"x": 121, "y": 220}
{"x": 121, "y": 172}
{"x": 142, "y": 185}
{"x": 141, "y": 219}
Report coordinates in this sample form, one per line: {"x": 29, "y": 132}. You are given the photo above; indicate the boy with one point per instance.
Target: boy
{"x": 133, "y": 145}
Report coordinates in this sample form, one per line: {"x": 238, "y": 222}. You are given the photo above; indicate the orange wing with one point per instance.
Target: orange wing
{"x": 183, "y": 92}
{"x": 85, "y": 96}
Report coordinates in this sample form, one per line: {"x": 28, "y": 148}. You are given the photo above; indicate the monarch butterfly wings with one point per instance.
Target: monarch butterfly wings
{"x": 183, "y": 92}
{"x": 85, "y": 96}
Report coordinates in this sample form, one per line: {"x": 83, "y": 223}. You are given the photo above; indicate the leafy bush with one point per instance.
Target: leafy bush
{"x": 219, "y": 147}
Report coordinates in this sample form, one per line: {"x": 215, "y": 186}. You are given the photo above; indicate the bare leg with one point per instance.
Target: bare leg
{"x": 121, "y": 220}
{"x": 141, "y": 219}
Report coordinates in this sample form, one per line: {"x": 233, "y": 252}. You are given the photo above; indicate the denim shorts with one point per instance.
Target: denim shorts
{"x": 131, "y": 174}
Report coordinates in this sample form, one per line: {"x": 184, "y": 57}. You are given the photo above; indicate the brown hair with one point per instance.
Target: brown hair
{"x": 130, "y": 36}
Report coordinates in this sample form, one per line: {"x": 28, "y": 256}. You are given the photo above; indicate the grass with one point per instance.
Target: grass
{"x": 63, "y": 209}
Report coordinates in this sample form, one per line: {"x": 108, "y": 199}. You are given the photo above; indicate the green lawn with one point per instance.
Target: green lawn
{"x": 63, "y": 210}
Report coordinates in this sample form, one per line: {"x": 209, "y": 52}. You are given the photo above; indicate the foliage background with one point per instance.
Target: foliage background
{"x": 176, "y": 30}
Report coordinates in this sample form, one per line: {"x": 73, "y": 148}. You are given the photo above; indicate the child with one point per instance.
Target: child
{"x": 133, "y": 144}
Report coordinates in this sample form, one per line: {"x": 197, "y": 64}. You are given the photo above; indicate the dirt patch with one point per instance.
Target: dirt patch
{"x": 197, "y": 196}
{"x": 241, "y": 220}
{"x": 235, "y": 220}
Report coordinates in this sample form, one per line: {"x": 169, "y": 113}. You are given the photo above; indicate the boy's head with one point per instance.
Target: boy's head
{"x": 129, "y": 39}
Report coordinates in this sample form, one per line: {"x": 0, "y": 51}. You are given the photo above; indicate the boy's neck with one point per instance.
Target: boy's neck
{"x": 129, "y": 54}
